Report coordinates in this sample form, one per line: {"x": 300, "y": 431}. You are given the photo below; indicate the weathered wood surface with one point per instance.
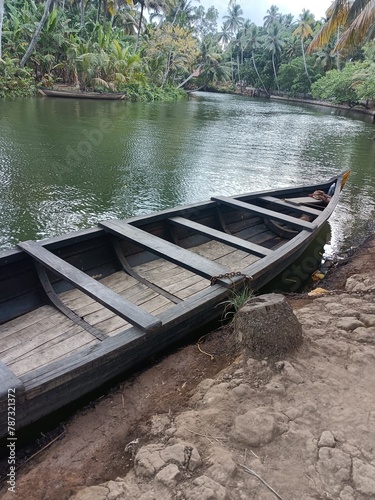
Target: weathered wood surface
{"x": 299, "y": 208}
{"x": 91, "y": 287}
{"x": 264, "y": 212}
{"x": 165, "y": 249}
{"x": 221, "y": 236}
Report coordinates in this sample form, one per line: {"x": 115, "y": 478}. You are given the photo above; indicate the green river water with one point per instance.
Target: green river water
{"x": 66, "y": 164}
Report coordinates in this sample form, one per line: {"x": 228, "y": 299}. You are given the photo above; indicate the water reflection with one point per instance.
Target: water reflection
{"x": 65, "y": 164}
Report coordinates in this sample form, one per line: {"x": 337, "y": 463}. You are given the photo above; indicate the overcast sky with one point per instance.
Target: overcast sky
{"x": 255, "y": 10}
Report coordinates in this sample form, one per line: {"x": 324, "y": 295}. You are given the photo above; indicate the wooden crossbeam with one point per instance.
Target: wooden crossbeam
{"x": 105, "y": 296}
{"x": 226, "y": 238}
{"x": 296, "y": 207}
{"x": 162, "y": 248}
{"x": 265, "y": 213}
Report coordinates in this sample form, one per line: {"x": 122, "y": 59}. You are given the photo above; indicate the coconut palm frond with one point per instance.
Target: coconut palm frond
{"x": 338, "y": 15}
{"x": 359, "y": 28}
{"x": 356, "y": 8}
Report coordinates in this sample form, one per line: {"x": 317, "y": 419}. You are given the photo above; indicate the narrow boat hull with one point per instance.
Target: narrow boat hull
{"x": 81, "y": 95}
{"x": 80, "y": 309}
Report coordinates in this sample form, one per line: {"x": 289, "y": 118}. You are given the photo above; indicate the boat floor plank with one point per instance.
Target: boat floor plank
{"x": 29, "y": 332}
{"x": 45, "y": 356}
{"x": 26, "y": 320}
{"x": 37, "y": 337}
{"x": 54, "y": 337}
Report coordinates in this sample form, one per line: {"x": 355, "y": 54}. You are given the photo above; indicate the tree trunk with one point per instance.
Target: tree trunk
{"x": 82, "y": 13}
{"x": 98, "y": 11}
{"x": 1, "y": 25}
{"x": 105, "y": 12}
{"x": 256, "y": 71}
{"x": 36, "y": 35}
{"x": 274, "y": 71}
{"x": 139, "y": 27}
{"x": 304, "y": 60}
{"x": 190, "y": 76}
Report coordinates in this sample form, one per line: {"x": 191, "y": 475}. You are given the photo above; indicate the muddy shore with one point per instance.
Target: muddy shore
{"x": 193, "y": 425}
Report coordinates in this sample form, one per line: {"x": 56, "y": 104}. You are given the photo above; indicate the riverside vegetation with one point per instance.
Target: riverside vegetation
{"x": 150, "y": 49}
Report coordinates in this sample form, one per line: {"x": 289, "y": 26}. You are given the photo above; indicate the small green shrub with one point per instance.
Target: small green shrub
{"x": 14, "y": 81}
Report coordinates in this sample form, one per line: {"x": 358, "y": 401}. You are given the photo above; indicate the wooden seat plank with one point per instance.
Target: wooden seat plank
{"x": 264, "y": 212}
{"x": 162, "y": 248}
{"x": 287, "y": 204}
{"x": 226, "y": 238}
{"x": 105, "y": 296}
{"x": 304, "y": 200}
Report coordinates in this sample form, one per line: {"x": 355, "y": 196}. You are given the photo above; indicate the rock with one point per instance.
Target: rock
{"x": 367, "y": 319}
{"x": 364, "y": 335}
{"x": 223, "y": 468}
{"x": 183, "y": 454}
{"x": 290, "y": 373}
{"x": 360, "y": 283}
{"x": 206, "y": 488}
{"x": 334, "y": 469}
{"x": 148, "y": 460}
{"x": 169, "y": 475}
{"x": 327, "y": 440}
{"x": 91, "y": 493}
{"x": 275, "y": 387}
{"x": 347, "y": 493}
{"x": 348, "y": 324}
{"x": 159, "y": 423}
{"x": 364, "y": 477}
{"x": 258, "y": 427}
{"x": 267, "y": 326}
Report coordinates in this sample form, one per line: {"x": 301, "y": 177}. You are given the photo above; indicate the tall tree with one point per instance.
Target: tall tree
{"x": 272, "y": 16}
{"x": 37, "y": 33}
{"x": 1, "y": 24}
{"x": 252, "y": 43}
{"x": 234, "y": 19}
{"x": 304, "y": 30}
{"x": 274, "y": 44}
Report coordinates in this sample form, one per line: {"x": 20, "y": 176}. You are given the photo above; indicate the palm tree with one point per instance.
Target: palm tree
{"x": 155, "y": 5}
{"x": 212, "y": 69}
{"x": 224, "y": 37}
{"x": 357, "y": 18}
{"x": 272, "y": 16}
{"x": 304, "y": 30}
{"x": 234, "y": 19}
{"x": 234, "y": 22}
{"x": 252, "y": 42}
{"x": 37, "y": 33}
{"x": 1, "y": 23}
{"x": 287, "y": 20}
{"x": 274, "y": 44}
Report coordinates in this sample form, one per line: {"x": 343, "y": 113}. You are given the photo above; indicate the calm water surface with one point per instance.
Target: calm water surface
{"x": 65, "y": 164}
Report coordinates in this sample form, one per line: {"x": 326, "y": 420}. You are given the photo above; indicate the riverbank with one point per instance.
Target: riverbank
{"x": 180, "y": 428}
{"x": 342, "y": 107}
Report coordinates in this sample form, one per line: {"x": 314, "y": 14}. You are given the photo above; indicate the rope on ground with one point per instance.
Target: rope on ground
{"x": 204, "y": 352}
{"x": 253, "y": 473}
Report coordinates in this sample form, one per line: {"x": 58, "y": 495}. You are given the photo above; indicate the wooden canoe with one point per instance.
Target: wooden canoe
{"x": 78, "y": 310}
{"x": 81, "y": 95}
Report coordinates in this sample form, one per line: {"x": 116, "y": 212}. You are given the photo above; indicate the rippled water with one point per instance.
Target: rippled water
{"x": 65, "y": 164}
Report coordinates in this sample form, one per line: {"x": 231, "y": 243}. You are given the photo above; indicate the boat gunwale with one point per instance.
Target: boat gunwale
{"x": 81, "y": 235}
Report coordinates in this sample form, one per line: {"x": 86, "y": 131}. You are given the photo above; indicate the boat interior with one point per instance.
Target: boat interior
{"x": 73, "y": 292}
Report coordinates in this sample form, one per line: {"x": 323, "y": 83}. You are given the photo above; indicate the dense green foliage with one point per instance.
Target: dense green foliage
{"x": 148, "y": 49}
